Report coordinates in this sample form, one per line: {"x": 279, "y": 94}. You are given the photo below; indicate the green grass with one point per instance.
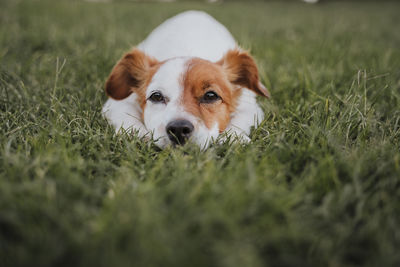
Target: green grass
{"x": 319, "y": 185}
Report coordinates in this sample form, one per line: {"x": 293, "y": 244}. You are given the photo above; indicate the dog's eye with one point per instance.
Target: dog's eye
{"x": 157, "y": 97}
{"x": 210, "y": 97}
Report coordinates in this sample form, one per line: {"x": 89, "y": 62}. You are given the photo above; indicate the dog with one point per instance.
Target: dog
{"x": 187, "y": 81}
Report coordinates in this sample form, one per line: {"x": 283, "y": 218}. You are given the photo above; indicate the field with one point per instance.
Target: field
{"x": 319, "y": 185}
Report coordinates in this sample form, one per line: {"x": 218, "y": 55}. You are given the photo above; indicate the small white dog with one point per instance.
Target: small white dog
{"x": 188, "y": 80}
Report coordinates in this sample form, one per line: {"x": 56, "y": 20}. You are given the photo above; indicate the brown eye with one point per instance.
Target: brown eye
{"x": 157, "y": 97}
{"x": 210, "y": 97}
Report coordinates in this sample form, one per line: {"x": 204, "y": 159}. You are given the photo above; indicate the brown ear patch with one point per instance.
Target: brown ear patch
{"x": 242, "y": 70}
{"x": 130, "y": 74}
{"x": 201, "y": 77}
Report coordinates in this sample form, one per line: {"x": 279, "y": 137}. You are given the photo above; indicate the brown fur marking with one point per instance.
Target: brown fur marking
{"x": 132, "y": 73}
{"x": 241, "y": 70}
{"x": 203, "y": 76}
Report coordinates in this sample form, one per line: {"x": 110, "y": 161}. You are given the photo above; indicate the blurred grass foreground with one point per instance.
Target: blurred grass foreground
{"x": 319, "y": 185}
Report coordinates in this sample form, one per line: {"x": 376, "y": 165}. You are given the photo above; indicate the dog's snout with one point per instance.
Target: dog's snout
{"x": 179, "y": 131}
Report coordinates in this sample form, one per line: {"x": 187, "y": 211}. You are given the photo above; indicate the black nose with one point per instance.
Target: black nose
{"x": 179, "y": 131}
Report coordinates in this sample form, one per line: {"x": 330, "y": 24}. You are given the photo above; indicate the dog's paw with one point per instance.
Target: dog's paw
{"x": 243, "y": 138}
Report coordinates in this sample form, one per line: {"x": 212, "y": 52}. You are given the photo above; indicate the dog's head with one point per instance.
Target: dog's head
{"x": 185, "y": 98}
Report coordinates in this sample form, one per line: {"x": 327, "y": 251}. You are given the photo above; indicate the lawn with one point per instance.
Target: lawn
{"x": 319, "y": 185}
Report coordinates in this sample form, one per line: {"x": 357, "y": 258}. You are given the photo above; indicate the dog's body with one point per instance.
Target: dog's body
{"x": 186, "y": 80}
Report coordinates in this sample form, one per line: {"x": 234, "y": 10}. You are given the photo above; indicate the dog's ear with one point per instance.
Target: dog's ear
{"x": 129, "y": 74}
{"x": 241, "y": 70}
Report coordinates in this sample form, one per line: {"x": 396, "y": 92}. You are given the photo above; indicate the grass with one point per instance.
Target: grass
{"x": 319, "y": 185}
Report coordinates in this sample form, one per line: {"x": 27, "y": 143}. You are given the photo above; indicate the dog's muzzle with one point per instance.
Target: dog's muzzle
{"x": 179, "y": 131}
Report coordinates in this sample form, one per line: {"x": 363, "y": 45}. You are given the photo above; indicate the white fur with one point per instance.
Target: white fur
{"x": 248, "y": 113}
{"x": 125, "y": 114}
{"x": 189, "y": 34}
